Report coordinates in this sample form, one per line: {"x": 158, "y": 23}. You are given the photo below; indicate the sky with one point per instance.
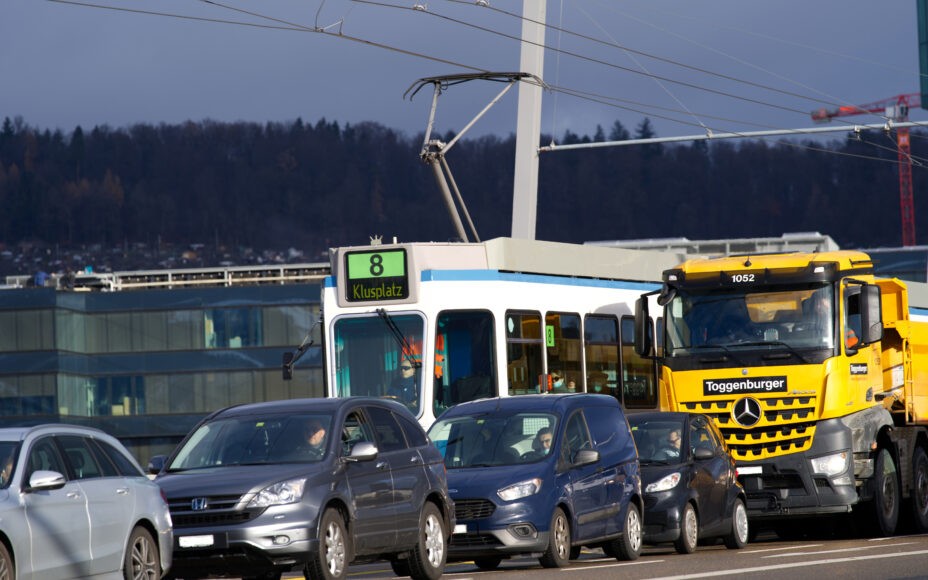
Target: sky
{"x": 689, "y": 67}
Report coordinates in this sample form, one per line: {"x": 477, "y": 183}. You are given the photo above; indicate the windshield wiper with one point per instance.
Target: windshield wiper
{"x": 778, "y": 343}
{"x": 728, "y": 353}
{"x": 405, "y": 347}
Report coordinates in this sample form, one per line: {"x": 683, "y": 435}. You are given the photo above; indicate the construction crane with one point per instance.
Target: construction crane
{"x": 895, "y": 109}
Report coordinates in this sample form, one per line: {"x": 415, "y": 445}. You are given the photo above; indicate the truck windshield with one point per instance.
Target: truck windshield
{"x": 787, "y": 318}
{"x": 379, "y": 356}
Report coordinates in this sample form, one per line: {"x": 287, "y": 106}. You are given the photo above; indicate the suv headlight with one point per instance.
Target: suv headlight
{"x": 520, "y": 490}
{"x": 282, "y": 493}
{"x": 830, "y": 465}
{"x": 664, "y": 483}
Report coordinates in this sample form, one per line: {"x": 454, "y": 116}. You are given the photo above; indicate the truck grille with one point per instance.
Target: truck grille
{"x": 787, "y": 425}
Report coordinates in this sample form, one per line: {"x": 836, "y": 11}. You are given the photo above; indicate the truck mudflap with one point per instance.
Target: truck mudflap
{"x": 788, "y": 485}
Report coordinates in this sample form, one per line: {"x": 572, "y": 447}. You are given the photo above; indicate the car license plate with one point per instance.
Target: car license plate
{"x": 195, "y": 541}
{"x": 750, "y": 470}
{"x": 460, "y": 529}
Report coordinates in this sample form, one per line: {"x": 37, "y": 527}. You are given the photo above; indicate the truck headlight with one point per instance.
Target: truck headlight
{"x": 664, "y": 483}
{"x": 520, "y": 490}
{"x": 830, "y": 465}
{"x": 290, "y": 491}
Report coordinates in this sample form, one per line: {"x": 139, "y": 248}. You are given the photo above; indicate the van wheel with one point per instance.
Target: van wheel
{"x": 886, "y": 493}
{"x": 920, "y": 490}
{"x": 427, "y": 561}
{"x": 628, "y": 547}
{"x": 557, "y": 555}
{"x": 738, "y": 538}
{"x": 689, "y": 531}
{"x": 330, "y": 562}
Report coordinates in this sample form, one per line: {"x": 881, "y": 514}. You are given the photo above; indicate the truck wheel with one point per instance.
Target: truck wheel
{"x": 886, "y": 493}
{"x": 920, "y": 490}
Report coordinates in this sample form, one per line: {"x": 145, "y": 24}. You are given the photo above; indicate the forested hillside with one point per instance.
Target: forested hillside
{"x": 241, "y": 189}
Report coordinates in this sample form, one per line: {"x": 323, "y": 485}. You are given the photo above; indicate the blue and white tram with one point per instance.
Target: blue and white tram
{"x": 435, "y": 324}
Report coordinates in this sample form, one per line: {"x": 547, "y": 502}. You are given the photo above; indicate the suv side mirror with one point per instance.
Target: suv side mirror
{"x": 156, "y": 464}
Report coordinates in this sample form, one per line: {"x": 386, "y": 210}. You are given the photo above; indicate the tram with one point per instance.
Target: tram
{"x": 436, "y": 324}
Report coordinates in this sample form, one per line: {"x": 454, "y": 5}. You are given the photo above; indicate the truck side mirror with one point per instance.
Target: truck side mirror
{"x": 871, "y": 314}
{"x": 643, "y": 344}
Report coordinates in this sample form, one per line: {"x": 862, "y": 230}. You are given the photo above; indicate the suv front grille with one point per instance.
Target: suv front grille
{"x": 218, "y": 510}
{"x": 473, "y": 509}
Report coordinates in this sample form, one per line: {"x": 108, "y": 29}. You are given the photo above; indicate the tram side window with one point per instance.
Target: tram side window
{"x": 524, "y": 346}
{"x": 639, "y": 383}
{"x": 562, "y": 341}
{"x": 601, "y": 338}
{"x": 465, "y": 362}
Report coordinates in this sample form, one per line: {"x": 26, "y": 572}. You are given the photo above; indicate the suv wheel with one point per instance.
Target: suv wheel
{"x": 330, "y": 562}
{"x": 427, "y": 561}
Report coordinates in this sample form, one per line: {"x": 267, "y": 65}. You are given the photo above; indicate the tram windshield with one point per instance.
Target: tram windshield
{"x": 791, "y": 318}
{"x": 379, "y": 356}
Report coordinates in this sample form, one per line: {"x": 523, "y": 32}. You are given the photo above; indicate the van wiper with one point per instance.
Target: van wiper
{"x": 405, "y": 347}
{"x": 778, "y": 343}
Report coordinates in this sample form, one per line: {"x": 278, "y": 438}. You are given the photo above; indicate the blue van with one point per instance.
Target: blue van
{"x": 541, "y": 475}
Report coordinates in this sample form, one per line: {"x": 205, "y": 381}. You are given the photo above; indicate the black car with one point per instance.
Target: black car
{"x": 307, "y": 485}
{"x": 691, "y": 490}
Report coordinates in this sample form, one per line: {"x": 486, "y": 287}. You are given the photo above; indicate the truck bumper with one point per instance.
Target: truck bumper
{"x": 788, "y": 486}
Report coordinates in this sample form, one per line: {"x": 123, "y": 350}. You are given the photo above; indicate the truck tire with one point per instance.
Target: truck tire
{"x": 920, "y": 489}
{"x": 885, "y": 502}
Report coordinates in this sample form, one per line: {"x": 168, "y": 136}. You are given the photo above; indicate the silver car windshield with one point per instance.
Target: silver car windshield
{"x": 497, "y": 439}
{"x": 255, "y": 441}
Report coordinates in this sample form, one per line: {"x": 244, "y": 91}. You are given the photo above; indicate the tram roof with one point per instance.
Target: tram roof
{"x": 533, "y": 256}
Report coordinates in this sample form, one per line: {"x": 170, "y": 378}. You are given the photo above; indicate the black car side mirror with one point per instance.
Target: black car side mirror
{"x": 703, "y": 453}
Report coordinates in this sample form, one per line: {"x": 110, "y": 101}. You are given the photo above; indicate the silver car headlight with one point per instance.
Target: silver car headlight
{"x": 520, "y": 490}
{"x": 664, "y": 483}
{"x": 282, "y": 493}
{"x": 830, "y": 465}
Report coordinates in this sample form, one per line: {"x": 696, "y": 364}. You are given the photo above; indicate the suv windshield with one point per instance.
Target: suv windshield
{"x": 254, "y": 441}
{"x": 497, "y": 439}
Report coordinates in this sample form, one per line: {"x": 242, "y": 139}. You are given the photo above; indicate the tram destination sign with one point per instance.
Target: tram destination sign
{"x": 376, "y": 276}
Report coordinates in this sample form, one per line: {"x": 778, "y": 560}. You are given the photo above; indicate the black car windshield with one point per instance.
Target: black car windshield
{"x": 494, "y": 439}
{"x": 658, "y": 441}
{"x": 254, "y": 441}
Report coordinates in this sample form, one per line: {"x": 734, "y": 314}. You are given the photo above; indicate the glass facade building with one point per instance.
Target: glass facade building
{"x": 145, "y": 364}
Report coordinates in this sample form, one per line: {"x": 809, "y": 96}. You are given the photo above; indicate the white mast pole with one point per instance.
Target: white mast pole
{"x": 528, "y": 129}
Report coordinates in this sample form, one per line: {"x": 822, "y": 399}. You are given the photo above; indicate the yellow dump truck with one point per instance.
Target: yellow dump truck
{"x": 816, "y": 372}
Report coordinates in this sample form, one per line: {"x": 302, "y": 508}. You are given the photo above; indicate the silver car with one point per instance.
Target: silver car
{"x": 307, "y": 485}
{"x": 75, "y": 503}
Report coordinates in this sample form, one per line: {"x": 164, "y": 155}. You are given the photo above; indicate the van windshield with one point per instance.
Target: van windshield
{"x": 496, "y": 439}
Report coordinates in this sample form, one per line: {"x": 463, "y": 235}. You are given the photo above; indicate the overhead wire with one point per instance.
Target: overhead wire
{"x": 290, "y": 26}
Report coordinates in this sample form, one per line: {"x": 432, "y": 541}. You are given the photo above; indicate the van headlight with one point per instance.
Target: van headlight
{"x": 290, "y": 491}
{"x": 520, "y": 490}
{"x": 830, "y": 465}
{"x": 664, "y": 483}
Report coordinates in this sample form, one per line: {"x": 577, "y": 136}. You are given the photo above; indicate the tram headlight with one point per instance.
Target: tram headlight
{"x": 830, "y": 465}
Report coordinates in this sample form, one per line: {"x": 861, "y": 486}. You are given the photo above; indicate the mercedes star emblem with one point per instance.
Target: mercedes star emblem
{"x": 746, "y": 412}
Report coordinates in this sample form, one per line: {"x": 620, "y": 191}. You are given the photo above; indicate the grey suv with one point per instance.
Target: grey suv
{"x": 307, "y": 485}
